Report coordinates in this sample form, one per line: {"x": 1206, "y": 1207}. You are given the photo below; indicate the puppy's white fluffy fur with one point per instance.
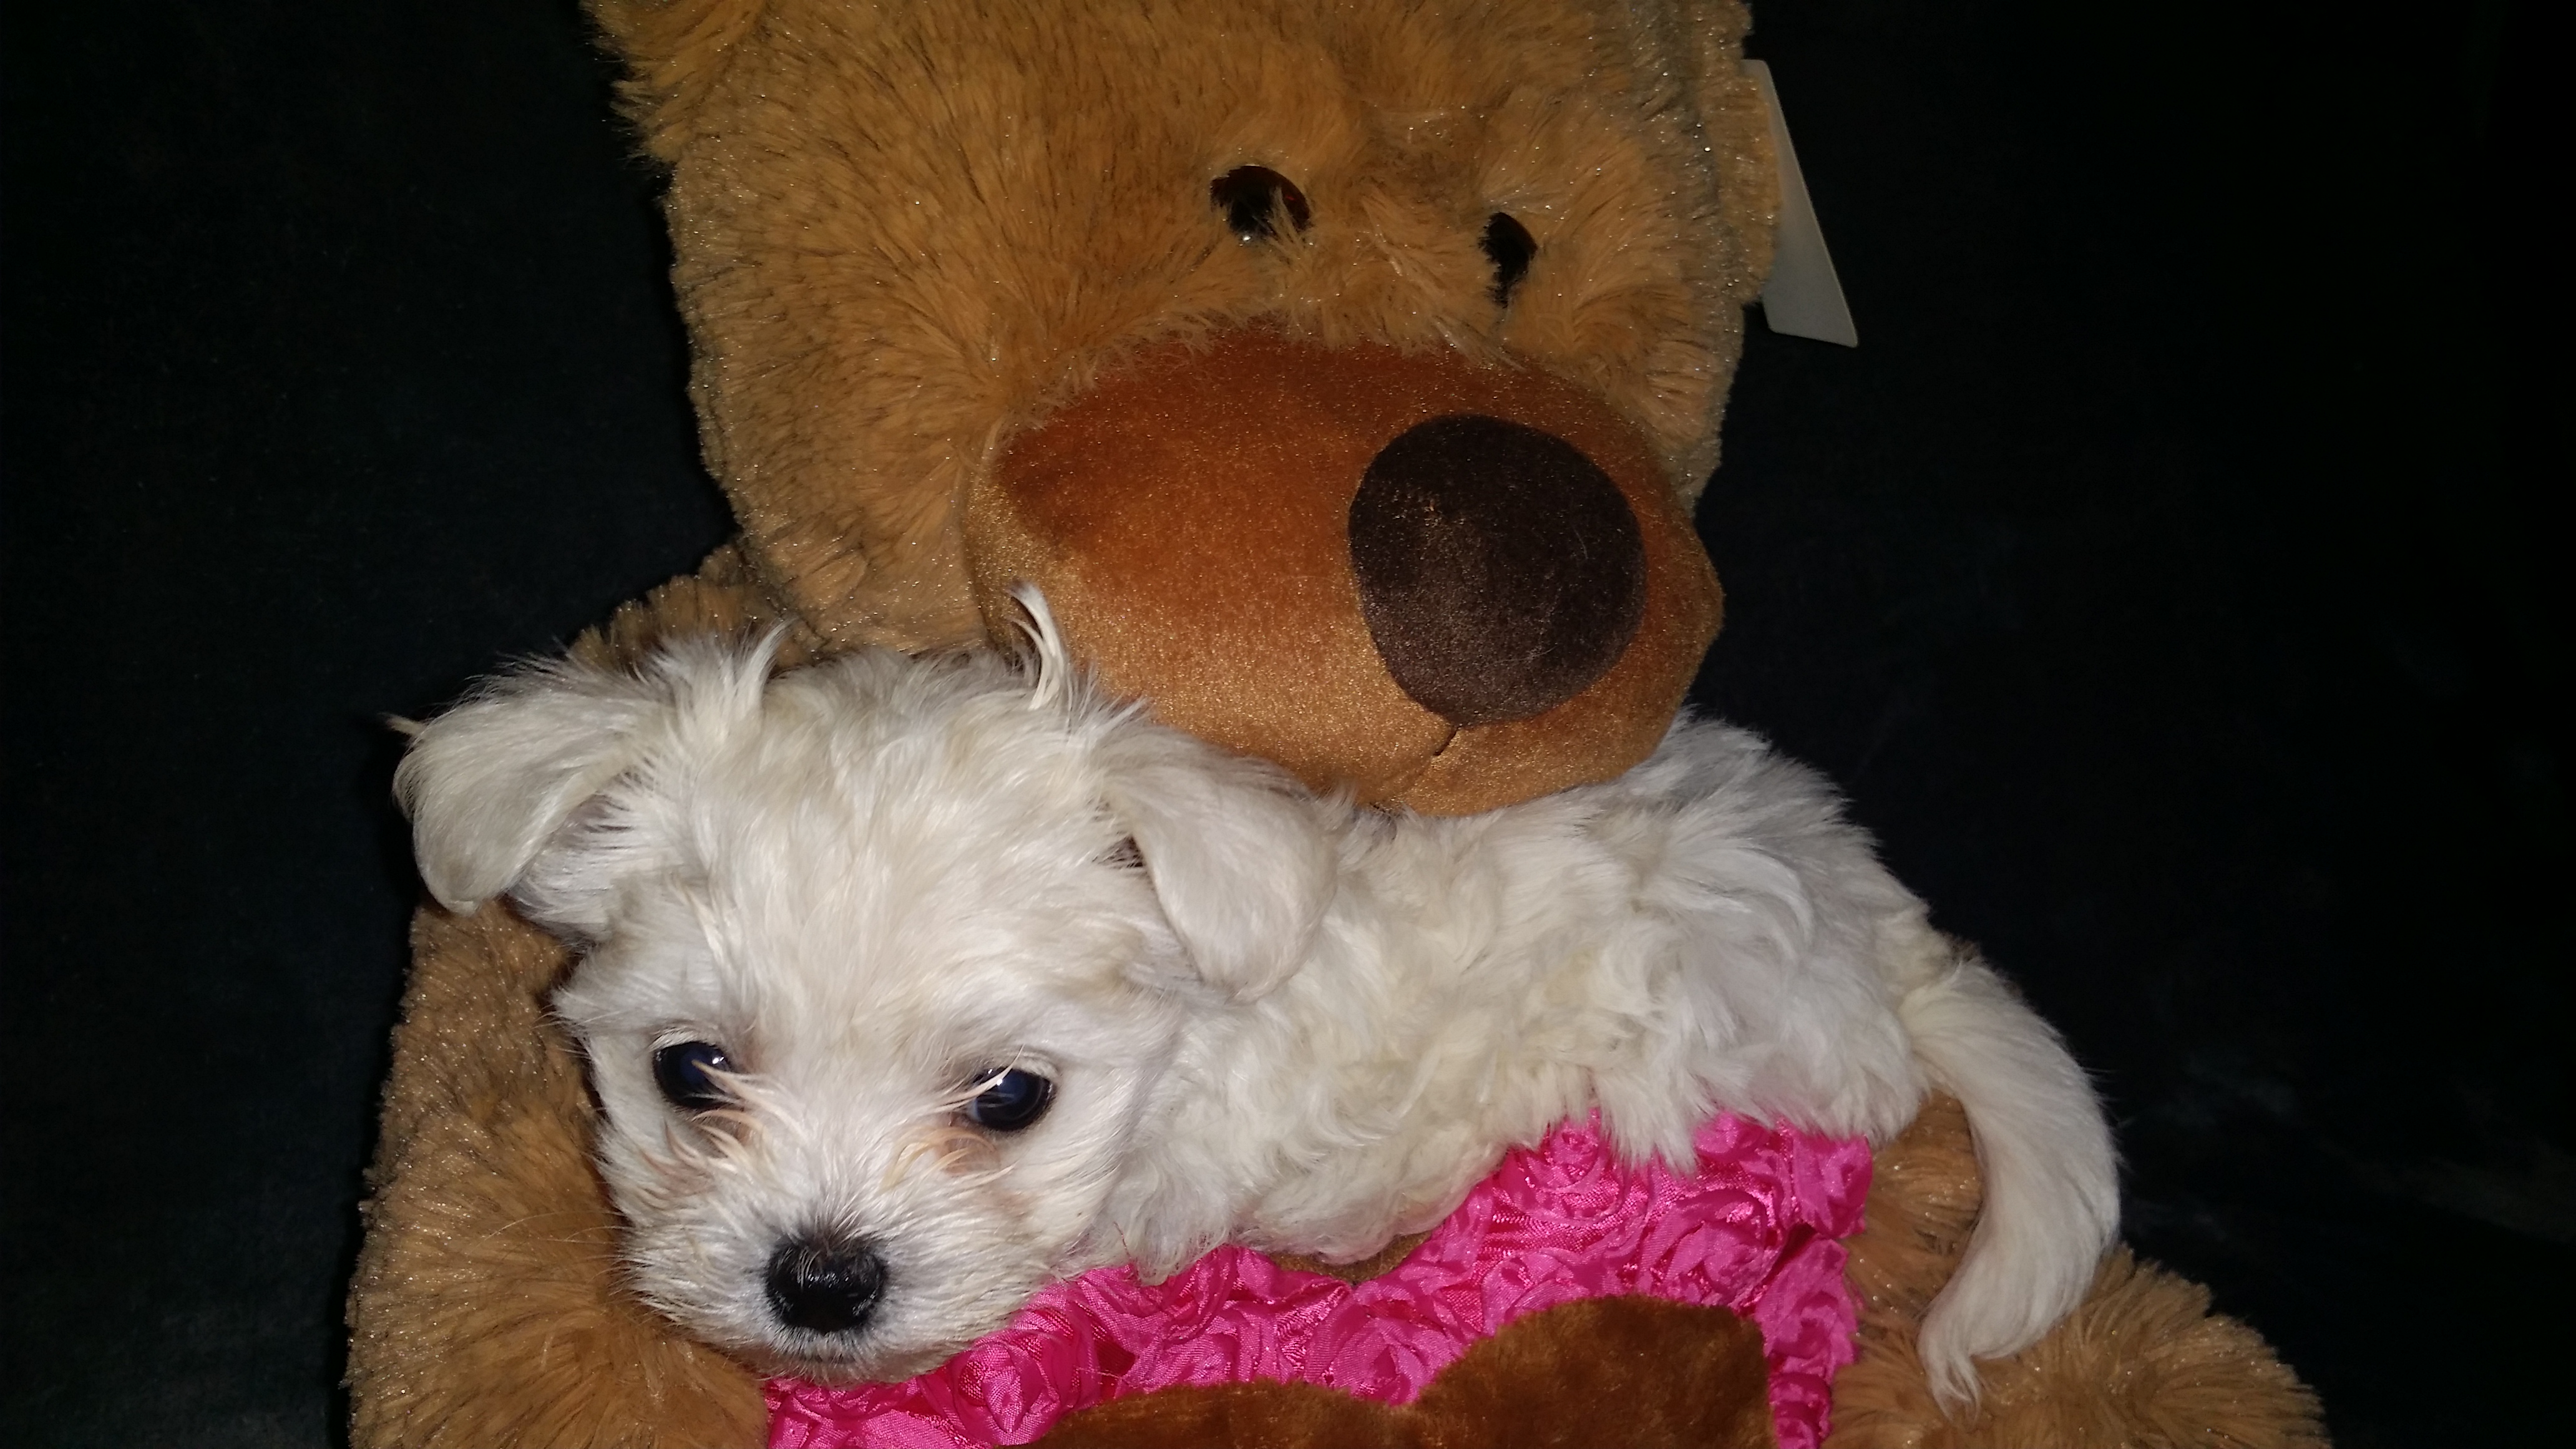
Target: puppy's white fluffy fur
{"x": 1296, "y": 1025}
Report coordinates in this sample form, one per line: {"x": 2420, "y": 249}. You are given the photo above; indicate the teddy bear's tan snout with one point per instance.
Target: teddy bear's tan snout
{"x": 1401, "y": 571}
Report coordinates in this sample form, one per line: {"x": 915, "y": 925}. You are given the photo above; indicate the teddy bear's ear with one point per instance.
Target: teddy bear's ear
{"x": 1708, "y": 38}
{"x": 675, "y": 51}
{"x": 1236, "y": 851}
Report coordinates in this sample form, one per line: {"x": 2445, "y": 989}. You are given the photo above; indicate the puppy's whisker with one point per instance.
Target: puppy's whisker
{"x": 731, "y": 1130}
{"x": 517, "y": 1223}
{"x": 901, "y": 1165}
{"x": 990, "y": 1177}
{"x": 615, "y": 1016}
{"x": 683, "y": 1168}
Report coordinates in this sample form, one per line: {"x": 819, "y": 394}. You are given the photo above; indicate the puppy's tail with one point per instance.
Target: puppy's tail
{"x": 2052, "y": 1191}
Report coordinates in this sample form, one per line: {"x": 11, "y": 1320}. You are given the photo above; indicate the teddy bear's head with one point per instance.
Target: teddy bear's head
{"x": 1344, "y": 372}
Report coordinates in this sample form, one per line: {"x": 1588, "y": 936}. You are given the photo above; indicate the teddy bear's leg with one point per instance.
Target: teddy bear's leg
{"x": 2141, "y": 1362}
{"x": 1238, "y": 1416}
{"x": 1630, "y": 1371}
{"x": 1658, "y": 1373}
{"x": 486, "y": 1307}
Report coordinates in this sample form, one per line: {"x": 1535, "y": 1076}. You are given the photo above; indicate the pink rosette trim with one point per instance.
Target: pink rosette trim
{"x": 1756, "y": 1230}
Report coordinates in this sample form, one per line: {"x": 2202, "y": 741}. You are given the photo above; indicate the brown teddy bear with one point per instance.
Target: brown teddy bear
{"x": 1131, "y": 300}
{"x": 1345, "y": 374}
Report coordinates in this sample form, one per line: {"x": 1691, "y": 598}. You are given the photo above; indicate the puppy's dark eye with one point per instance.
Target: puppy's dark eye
{"x": 1010, "y": 1101}
{"x": 1253, "y": 199}
{"x": 1510, "y": 246}
{"x": 687, "y": 1073}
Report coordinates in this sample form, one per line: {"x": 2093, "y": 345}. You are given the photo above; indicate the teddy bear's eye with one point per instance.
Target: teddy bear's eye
{"x": 1510, "y": 246}
{"x": 1010, "y": 1101}
{"x": 1254, "y": 197}
{"x": 690, "y": 1075}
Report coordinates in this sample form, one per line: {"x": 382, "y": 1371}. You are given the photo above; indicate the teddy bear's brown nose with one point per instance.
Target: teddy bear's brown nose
{"x": 1500, "y": 570}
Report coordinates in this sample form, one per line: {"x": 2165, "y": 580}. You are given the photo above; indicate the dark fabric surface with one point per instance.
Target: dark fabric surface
{"x": 2165, "y": 577}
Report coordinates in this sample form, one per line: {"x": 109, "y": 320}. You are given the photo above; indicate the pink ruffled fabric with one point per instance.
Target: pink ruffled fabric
{"x": 1755, "y": 1231}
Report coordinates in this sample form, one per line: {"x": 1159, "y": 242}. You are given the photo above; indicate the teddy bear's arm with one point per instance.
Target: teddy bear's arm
{"x": 485, "y": 1308}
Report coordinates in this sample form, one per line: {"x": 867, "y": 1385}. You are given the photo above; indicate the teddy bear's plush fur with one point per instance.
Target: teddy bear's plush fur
{"x": 939, "y": 261}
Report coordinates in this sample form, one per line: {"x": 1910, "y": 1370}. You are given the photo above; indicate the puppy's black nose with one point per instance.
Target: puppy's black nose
{"x": 825, "y": 1282}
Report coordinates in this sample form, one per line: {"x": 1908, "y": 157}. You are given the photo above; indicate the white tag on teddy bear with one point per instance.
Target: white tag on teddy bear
{"x": 1803, "y": 298}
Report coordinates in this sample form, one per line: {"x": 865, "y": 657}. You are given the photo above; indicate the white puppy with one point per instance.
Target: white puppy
{"x": 913, "y": 984}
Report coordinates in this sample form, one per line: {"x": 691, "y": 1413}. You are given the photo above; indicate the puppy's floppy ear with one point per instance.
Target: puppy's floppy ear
{"x": 489, "y": 783}
{"x": 1238, "y": 856}
{"x": 495, "y": 786}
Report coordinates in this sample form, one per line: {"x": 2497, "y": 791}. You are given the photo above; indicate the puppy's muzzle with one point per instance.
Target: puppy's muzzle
{"x": 825, "y": 1283}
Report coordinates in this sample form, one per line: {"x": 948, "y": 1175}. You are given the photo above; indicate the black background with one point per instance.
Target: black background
{"x": 2166, "y": 576}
